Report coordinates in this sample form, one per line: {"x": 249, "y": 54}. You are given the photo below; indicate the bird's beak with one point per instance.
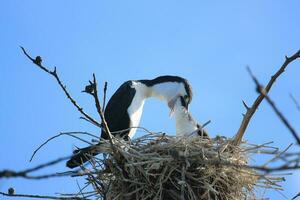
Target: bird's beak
{"x": 171, "y": 105}
{"x": 186, "y": 106}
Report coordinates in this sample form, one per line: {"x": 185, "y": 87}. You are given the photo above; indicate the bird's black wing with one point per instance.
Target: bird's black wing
{"x": 81, "y": 156}
{"x": 115, "y": 113}
{"x": 117, "y": 119}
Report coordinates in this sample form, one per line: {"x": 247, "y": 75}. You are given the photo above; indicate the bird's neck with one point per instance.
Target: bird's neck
{"x": 163, "y": 91}
{"x": 185, "y": 124}
{"x": 181, "y": 115}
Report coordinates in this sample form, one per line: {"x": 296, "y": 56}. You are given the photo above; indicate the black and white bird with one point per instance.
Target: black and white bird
{"x": 186, "y": 126}
{"x": 124, "y": 109}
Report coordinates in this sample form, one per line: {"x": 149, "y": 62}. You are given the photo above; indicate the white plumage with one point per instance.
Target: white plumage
{"x": 135, "y": 110}
{"x": 185, "y": 124}
{"x": 162, "y": 91}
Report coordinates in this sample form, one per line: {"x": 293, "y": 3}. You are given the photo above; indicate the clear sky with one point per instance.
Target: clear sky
{"x": 208, "y": 42}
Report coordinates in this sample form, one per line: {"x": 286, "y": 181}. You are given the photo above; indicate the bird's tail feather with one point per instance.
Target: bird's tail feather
{"x": 81, "y": 156}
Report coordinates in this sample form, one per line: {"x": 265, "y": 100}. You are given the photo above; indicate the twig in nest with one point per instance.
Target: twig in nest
{"x": 251, "y": 110}
{"x": 183, "y": 168}
{"x": 277, "y": 156}
{"x": 38, "y": 62}
{"x": 263, "y": 92}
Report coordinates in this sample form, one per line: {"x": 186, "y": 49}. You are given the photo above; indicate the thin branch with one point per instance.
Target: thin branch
{"x": 263, "y": 92}
{"x": 41, "y": 197}
{"x": 80, "y": 190}
{"x": 132, "y": 127}
{"x": 206, "y": 123}
{"x": 246, "y": 119}
{"x": 295, "y": 101}
{"x": 38, "y": 62}
{"x": 277, "y": 156}
{"x": 24, "y": 173}
{"x": 46, "y": 176}
{"x": 60, "y": 134}
{"x": 104, "y": 95}
{"x": 83, "y": 118}
{"x": 297, "y": 195}
{"x": 100, "y": 111}
{"x": 92, "y": 89}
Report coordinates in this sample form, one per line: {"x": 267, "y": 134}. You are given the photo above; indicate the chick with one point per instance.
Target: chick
{"x": 185, "y": 124}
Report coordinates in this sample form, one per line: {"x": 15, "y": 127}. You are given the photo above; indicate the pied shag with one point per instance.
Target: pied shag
{"x": 185, "y": 124}
{"x": 125, "y": 107}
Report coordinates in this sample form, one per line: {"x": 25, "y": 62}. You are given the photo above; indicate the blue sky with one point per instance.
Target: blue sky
{"x": 208, "y": 42}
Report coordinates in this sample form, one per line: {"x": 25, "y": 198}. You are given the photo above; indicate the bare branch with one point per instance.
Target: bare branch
{"x": 92, "y": 89}
{"x": 41, "y": 197}
{"x": 295, "y": 101}
{"x": 297, "y": 195}
{"x": 206, "y": 123}
{"x": 245, "y": 105}
{"x": 263, "y": 92}
{"x": 277, "y": 156}
{"x": 83, "y": 118}
{"x": 24, "y": 173}
{"x": 100, "y": 111}
{"x": 72, "y": 134}
{"x": 246, "y": 119}
{"x": 38, "y": 62}
{"x": 104, "y": 95}
{"x": 44, "y": 176}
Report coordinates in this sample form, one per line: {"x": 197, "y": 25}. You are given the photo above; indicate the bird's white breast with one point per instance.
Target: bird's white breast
{"x": 135, "y": 110}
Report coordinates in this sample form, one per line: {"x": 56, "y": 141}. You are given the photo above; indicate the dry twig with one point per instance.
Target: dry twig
{"x": 164, "y": 167}
{"x": 24, "y": 173}
{"x": 72, "y": 134}
{"x": 41, "y": 196}
{"x": 251, "y": 110}
{"x": 38, "y": 62}
{"x": 262, "y": 91}
{"x": 104, "y": 95}
{"x": 295, "y": 102}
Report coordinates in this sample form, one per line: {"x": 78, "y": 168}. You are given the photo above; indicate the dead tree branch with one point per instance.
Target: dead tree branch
{"x": 295, "y": 101}
{"x": 262, "y": 91}
{"x": 251, "y": 110}
{"x": 104, "y": 95}
{"x": 41, "y": 197}
{"x": 38, "y": 61}
{"x": 24, "y": 173}
{"x": 92, "y": 89}
{"x": 72, "y": 134}
{"x": 295, "y": 197}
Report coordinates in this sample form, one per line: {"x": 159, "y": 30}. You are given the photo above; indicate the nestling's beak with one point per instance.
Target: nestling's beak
{"x": 171, "y": 105}
{"x": 184, "y": 104}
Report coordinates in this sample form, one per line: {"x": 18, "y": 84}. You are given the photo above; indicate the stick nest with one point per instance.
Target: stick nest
{"x": 157, "y": 166}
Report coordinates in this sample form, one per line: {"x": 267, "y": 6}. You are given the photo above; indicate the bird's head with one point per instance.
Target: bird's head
{"x": 179, "y": 102}
{"x": 169, "y": 88}
{"x": 183, "y": 95}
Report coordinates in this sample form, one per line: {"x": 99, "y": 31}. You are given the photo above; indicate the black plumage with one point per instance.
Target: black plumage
{"x": 117, "y": 116}
{"x": 117, "y": 119}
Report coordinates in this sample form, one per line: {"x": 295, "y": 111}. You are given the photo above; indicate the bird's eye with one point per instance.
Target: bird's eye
{"x": 187, "y": 98}
{"x": 183, "y": 101}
